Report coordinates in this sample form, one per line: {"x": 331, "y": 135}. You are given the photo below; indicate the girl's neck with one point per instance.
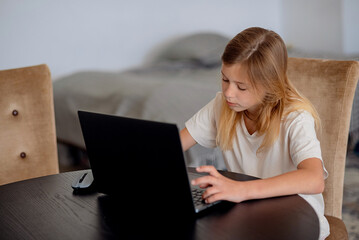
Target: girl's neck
{"x": 250, "y": 122}
{"x": 250, "y": 116}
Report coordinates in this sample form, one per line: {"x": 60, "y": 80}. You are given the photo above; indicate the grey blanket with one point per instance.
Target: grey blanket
{"x": 166, "y": 93}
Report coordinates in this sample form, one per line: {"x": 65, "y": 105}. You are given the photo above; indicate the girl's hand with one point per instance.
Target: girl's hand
{"x": 219, "y": 187}
{"x": 307, "y": 179}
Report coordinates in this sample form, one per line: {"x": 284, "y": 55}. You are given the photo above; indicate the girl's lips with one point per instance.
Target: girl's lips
{"x": 231, "y": 104}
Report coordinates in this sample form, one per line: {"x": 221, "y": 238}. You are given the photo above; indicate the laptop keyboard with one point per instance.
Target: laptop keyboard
{"x": 197, "y": 197}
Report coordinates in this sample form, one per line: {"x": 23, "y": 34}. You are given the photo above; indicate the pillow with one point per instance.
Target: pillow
{"x": 203, "y": 48}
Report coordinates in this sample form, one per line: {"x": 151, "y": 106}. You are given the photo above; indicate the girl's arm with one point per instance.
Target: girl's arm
{"x": 307, "y": 179}
{"x": 186, "y": 140}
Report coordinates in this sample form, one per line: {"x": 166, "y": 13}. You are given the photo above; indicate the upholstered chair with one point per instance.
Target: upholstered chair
{"x": 330, "y": 86}
{"x": 27, "y": 124}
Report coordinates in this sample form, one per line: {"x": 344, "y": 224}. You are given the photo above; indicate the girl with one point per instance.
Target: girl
{"x": 263, "y": 125}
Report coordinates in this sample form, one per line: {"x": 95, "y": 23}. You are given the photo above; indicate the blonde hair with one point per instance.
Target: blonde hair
{"x": 264, "y": 55}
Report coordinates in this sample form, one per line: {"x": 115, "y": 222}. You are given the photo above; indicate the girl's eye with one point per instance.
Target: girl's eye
{"x": 241, "y": 89}
{"x": 227, "y": 81}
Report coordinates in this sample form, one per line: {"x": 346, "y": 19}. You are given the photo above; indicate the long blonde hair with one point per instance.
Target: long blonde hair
{"x": 264, "y": 55}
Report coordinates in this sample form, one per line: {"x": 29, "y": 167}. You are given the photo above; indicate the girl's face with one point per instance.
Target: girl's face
{"x": 238, "y": 91}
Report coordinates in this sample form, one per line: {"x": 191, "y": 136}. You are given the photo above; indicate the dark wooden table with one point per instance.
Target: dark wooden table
{"x": 47, "y": 208}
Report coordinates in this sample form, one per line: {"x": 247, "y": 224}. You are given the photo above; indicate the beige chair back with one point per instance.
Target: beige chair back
{"x": 330, "y": 86}
{"x": 27, "y": 124}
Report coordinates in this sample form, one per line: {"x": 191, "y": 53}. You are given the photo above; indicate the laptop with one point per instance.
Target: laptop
{"x": 140, "y": 163}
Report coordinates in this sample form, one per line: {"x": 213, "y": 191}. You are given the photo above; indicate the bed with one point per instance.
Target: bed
{"x": 178, "y": 80}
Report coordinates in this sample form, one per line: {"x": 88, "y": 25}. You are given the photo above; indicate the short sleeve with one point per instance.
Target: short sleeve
{"x": 303, "y": 142}
{"x": 202, "y": 126}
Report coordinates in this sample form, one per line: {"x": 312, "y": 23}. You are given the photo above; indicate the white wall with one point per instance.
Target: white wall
{"x": 313, "y": 25}
{"x": 350, "y": 12}
{"x": 114, "y": 34}
{"x": 321, "y": 26}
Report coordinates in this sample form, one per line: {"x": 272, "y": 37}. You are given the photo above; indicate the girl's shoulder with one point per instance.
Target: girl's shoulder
{"x": 217, "y": 101}
{"x": 219, "y": 96}
{"x": 297, "y": 117}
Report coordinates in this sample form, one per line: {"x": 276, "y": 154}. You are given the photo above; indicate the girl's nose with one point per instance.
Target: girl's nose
{"x": 229, "y": 91}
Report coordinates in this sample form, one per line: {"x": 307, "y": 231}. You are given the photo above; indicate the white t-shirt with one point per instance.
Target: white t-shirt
{"x": 297, "y": 141}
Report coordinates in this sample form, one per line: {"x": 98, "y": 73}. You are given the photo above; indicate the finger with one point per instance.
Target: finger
{"x": 204, "y": 185}
{"x": 208, "y": 169}
{"x": 206, "y": 180}
{"x": 209, "y": 192}
{"x": 214, "y": 198}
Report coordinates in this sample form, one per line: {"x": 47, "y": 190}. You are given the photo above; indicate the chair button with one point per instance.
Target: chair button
{"x": 15, "y": 113}
{"x": 23, "y": 155}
